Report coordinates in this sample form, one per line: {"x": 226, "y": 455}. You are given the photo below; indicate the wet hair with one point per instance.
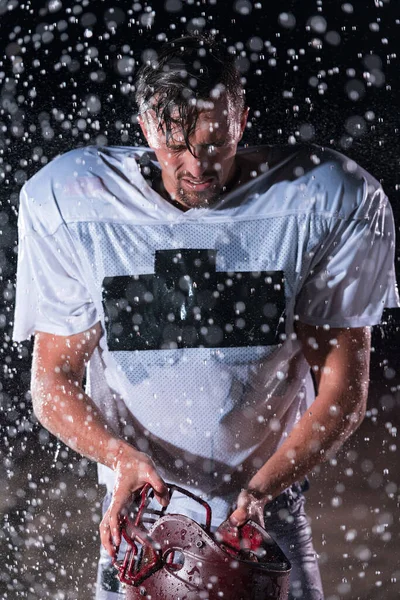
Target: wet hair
{"x": 188, "y": 73}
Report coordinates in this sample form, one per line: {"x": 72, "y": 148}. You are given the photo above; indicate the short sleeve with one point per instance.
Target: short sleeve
{"x": 51, "y": 295}
{"x": 352, "y": 278}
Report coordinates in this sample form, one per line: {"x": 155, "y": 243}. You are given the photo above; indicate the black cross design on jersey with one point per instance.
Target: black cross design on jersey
{"x": 186, "y": 303}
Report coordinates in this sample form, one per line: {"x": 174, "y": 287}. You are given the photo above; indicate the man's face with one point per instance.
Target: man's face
{"x": 198, "y": 179}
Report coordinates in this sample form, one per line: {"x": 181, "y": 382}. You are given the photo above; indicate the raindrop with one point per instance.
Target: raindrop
{"x": 318, "y": 24}
{"x": 54, "y": 6}
{"x": 355, "y": 89}
{"x": 88, "y": 20}
{"x": 114, "y": 17}
{"x": 306, "y": 132}
{"x": 149, "y": 56}
{"x": 147, "y": 19}
{"x": 173, "y": 6}
{"x": 274, "y": 424}
{"x": 333, "y": 38}
{"x": 243, "y": 7}
{"x": 242, "y": 64}
{"x": 316, "y": 43}
{"x": 255, "y": 43}
{"x": 93, "y": 104}
{"x": 125, "y": 65}
{"x": 287, "y": 20}
{"x": 372, "y": 61}
{"x": 355, "y": 126}
{"x": 196, "y": 24}
{"x": 348, "y": 8}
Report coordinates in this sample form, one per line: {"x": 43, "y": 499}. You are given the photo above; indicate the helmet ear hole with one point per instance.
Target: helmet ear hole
{"x": 174, "y": 559}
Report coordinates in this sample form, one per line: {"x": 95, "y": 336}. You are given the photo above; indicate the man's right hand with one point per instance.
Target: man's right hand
{"x": 133, "y": 470}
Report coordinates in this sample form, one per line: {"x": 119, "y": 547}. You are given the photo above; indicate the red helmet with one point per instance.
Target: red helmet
{"x": 178, "y": 559}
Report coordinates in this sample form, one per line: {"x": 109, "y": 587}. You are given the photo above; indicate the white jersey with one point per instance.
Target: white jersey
{"x": 196, "y": 363}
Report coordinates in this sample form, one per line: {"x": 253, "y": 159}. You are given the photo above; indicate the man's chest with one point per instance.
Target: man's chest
{"x": 191, "y": 284}
{"x": 112, "y": 249}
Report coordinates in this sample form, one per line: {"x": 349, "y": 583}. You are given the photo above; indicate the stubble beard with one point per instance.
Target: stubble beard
{"x": 203, "y": 199}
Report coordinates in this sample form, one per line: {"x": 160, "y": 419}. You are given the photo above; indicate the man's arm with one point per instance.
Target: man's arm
{"x": 339, "y": 359}
{"x": 63, "y": 408}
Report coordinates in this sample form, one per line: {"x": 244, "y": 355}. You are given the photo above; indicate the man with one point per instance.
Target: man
{"x": 201, "y": 283}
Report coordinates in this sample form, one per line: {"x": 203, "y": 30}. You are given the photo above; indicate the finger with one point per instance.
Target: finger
{"x": 254, "y": 506}
{"x": 239, "y": 517}
{"x": 115, "y": 528}
{"x": 160, "y": 489}
{"x": 106, "y": 537}
{"x": 259, "y": 515}
{"x": 241, "y": 514}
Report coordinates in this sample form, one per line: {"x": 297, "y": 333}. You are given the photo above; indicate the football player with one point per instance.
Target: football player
{"x": 220, "y": 297}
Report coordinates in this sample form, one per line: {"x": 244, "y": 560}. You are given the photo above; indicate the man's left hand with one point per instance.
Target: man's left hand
{"x": 250, "y": 505}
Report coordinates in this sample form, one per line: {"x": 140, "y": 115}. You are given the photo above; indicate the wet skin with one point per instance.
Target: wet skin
{"x": 197, "y": 177}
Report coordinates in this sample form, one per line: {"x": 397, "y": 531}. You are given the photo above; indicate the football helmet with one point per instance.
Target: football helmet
{"x": 176, "y": 558}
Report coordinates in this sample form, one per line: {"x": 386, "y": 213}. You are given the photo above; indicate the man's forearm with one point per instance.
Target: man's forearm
{"x": 320, "y": 432}
{"x": 63, "y": 408}
{"x": 340, "y": 360}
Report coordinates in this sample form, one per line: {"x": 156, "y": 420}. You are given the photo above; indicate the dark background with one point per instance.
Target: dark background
{"x": 320, "y": 72}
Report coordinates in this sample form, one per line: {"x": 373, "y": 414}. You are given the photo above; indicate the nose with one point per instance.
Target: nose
{"x": 196, "y": 165}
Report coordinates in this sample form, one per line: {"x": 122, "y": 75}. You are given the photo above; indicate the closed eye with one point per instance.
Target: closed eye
{"x": 209, "y": 147}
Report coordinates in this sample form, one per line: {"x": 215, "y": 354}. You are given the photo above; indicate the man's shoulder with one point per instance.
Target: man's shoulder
{"x": 74, "y": 184}
{"x": 342, "y": 185}
{"x": 309, "y": 158}
{"x": 82, "y": 160}
{"x": 318, "y": 179}
{"x": 37, "y": 206}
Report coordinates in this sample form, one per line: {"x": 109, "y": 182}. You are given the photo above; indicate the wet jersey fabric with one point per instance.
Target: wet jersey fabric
{"x": 199, "y": 365}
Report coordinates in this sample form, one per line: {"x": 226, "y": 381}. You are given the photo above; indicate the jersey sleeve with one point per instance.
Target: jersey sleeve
{"x": 352, "y": 277}
{"x": 51, "y": 295}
